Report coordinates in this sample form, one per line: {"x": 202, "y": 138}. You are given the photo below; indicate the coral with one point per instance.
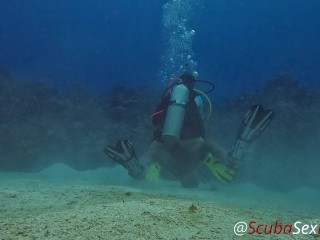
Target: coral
{"x": 40, "y": 124}
{"x": 193, "y": 208}
{"x": 128, "y": 194}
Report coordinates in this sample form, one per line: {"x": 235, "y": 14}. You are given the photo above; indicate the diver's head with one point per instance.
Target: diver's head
{"x": 188, "y": 79}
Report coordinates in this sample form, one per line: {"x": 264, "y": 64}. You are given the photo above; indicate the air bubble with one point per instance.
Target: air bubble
{"x": 178, "y": 55}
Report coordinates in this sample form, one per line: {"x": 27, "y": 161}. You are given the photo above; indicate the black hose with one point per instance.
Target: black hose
{"x": 176, "y": 83}
{"x": 210, "y": 83}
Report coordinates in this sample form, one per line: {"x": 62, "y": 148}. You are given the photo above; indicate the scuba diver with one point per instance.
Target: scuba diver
{"x": 179, "y": 145}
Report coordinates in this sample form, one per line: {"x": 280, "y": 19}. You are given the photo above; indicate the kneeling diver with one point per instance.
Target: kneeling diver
{"x": 179, "y": 145}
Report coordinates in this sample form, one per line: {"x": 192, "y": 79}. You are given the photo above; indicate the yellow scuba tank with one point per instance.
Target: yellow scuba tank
{"x": 175, "y": 114}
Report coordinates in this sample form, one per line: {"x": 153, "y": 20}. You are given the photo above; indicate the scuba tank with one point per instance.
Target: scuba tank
{"x": 175, "y": 114}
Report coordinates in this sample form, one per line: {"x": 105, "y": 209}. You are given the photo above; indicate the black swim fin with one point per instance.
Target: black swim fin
{"x": 124, "y": 154}
{"x": 254, "y": 123}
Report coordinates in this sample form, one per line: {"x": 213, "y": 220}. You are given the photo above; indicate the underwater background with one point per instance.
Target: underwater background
{"x": 77, "y": 75}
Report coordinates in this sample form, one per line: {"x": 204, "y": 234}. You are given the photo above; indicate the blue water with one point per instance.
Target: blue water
{"x": 238, "y": 44}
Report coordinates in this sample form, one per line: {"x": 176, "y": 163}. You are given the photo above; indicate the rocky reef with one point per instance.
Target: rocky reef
{"x": 41, "y": 124}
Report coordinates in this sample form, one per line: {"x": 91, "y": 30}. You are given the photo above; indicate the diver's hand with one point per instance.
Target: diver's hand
{"x": 225, "y": 172}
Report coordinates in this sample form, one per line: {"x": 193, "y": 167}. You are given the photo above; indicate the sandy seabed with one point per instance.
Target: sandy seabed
{"x": 33, "y": 207}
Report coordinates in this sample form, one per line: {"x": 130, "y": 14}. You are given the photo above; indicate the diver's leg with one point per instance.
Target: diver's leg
{"x": 157, "y": 153}
{"x": 215, "y": 158}
{"x": 186, "y": 161}
{"x": 198, "y": 149}
{"x": 157, "y": 157}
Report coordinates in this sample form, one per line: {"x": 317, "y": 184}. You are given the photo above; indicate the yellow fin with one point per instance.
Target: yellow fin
{"x": 153, "y": 173}
{"x": 220, "y": 170}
